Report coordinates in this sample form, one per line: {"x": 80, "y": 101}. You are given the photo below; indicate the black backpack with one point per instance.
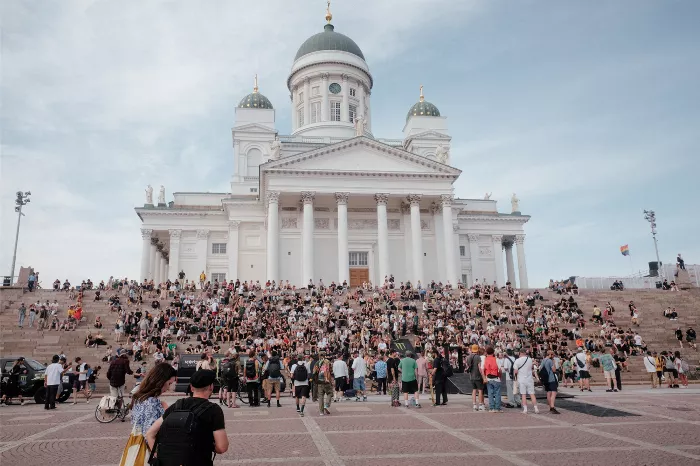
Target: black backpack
{"x": 182, "y": 437}
{"x": 301, "y": 374}
{"x": 229, "y": 372}
{"x": 274, "y": 368}
{"x": 447, "y": 368}
{"x": 250, "y": 371}
{"x": 511, "y": 371}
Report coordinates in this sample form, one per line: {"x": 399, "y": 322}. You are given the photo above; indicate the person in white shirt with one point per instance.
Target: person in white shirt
{"x": 359, "y": 368}
{"x": 526, "y": 382}
{"x": 650, "y": 366}
{"x": 340, "y": 372}
{"x": 581, "y": 366}
{"x": 300, "y": 379}
{"x": 52, "y": 380}
{"x": 508, "y": 364}
{"x": 81, "y": 382}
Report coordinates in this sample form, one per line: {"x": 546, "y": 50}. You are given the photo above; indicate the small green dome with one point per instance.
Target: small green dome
{"x": 255, "y": 100}
{"x": 423, "y": 108}
{"x": 328, "y": 40}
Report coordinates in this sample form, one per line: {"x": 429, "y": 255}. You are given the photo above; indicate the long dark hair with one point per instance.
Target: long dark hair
{"x": 153, "y": 382}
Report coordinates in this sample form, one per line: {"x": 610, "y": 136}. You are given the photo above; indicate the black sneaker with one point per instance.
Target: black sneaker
{"x": 279, "y": 405}
{"x": 553, "y": 411}
{"x": 268, "y": 403}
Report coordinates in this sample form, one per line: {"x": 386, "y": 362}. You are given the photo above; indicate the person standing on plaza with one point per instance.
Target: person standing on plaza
{"x": 650, "y": 366}
{"x": 323, "y": 375}
{"x": 52, "y": 380}
{"x": 473, "y": 367}
{"x": 252, "y": 378}
{"x": 380, "y": 368}
{"x": 146, "y": 408}
{"x": 81, "y": 381}
{"x": 359, "y": 368}
{"x": 608, "y": 365}
{"x": 526, "y": 382}
{"x": 491, "y": 372}
{"x": 300, "y": 379}
{"x": 422, "y": 374}
{"x": 508, "y": 369}
{"x": 231, "y": 379}
{"x": 340, "y": 372}
{"x": 274, "y": 380}
{"x": 581, "y": 365}
{"x": 409, "y": 383}
{"x": 116, "y": 374}
{"x": 173, "y": 440}
{"x": 548, "y": 370}
{"x": 438, "y": 379}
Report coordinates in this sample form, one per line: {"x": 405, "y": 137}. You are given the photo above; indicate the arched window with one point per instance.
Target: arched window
{"x": 254, "y": 160}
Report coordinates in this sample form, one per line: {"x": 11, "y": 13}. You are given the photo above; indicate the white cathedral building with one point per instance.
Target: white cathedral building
{"x": 331, "y": 201}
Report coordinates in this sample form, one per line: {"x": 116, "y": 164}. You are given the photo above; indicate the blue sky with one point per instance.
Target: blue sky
{"x": 587, "y": 110}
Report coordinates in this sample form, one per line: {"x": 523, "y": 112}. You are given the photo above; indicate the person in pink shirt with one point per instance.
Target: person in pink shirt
{"x": 422, "y": 372}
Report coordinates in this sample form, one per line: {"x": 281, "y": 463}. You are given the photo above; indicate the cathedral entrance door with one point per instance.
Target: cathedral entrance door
{"x": 358, "y": 276}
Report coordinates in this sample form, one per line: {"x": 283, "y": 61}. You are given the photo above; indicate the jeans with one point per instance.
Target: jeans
{"x": 381, "y": 386}
{"x": 422, "y": 383}
{"x": 324, "y": 389}
{"x": 32, "y": 318}
{"x": 21, "y": 319}
{"x": 440, "y": 388}
{"x": 50, "y": 401}
{"x": 494, "y": 394}
{"x": 512, "y": 399}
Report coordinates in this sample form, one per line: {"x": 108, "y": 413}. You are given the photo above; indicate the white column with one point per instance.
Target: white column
{"x": 368, "y": 116}
{"x": 295, "y": 104}
{"x": 361, "y": 98}
{"x": 161, "y": 273}
{"x": 343, "y": 253}
{"x": 174, "y": 254}
{"x": 406, "y": 220}
{"x": 232, "y": 249}
{"x": 522, "y": 266}
{"x": 152, "y": 260}
{"x": 273, "y": 235}
{"x": 382, "y": 237}
{"x": 442, "y": 273}
{"x": 325, "y": 105}
{"x": 474, "y": 257}
{"x": 455, "y": 245}
{"x": 167, "y": 269}
{"x": 156, "y": 267}
{"x": 202, "y": 249}
{"x": 450, "y": 253}
{"x": 416, "y": 239}
{"x": 145, "y": 253}
{"x": 307, "y": 101}
{"x": 307, "y": 240}
{"x": 498, "y": 258}
{"x": 344, "y": 103}
{"x": 510, "y": 267}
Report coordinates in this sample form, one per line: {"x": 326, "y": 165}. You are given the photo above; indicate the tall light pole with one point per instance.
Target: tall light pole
{"x": 650, "y": 217}
{"x": 22, "y": 200}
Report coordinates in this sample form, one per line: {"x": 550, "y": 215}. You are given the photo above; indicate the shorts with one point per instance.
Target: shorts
{"x": 609, "y": 374}
{"x": 409, "y": 387}
{"x": 273, "y": 385}
{"x": 584, "y": 374}
{"x": 571, "y": 375}
{"x": 339, "y": 384}
{"x": 358, "y": 383}
{"x": 301, "y": 391}
{"x": 671, "y": 371}
{"x": 477, "y": 384}
{"x": 551, "y": 386}
{"x": 79, "y": 385}
{"x": 232, "y": 385}
{"x": 526, "y": 387}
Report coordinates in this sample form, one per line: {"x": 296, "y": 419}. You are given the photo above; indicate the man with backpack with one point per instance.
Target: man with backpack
{"x": 549, "y": 380}
{"x": 273, "y": 368}
{"x": 300, "y": 379}
{"x": 438, "y": 377}
{"x": 473, "y": 367}
{"x": 229, "y": 374}
{"x": 190, "y": 429}
{"x": 323, "y": 372}
{"x": 252, "y": 378}
{"x": 581, "y": 366}
{"x": 508, "y": 368}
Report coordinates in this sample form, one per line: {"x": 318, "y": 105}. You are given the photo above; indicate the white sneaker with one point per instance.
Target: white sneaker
{"x": 475, "y": 408}
{"x": 524, "y": 410}
{"x": 482, "y": 408}
{"x": 537, "y": 411}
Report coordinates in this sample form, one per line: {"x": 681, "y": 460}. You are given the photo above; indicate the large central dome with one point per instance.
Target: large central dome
{"x": 328, "y": 40}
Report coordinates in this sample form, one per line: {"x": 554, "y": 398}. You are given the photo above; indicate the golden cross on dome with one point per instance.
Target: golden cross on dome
{"x": 329, "y": 16}
{"x": 255, "y": 88}
{"x": 421, "y": 93}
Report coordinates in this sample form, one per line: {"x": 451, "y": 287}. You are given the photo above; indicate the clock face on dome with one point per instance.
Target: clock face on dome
{"x": 334, "y": 88}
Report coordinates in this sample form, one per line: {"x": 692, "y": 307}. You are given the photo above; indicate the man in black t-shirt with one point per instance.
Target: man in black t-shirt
{"x": 211, "y": 421}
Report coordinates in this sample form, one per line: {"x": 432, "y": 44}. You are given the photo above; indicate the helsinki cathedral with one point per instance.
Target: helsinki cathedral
{"x": 331, "y": 201}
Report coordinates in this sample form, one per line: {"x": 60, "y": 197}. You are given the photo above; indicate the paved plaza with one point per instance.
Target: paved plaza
{"x": 635, "y": 427}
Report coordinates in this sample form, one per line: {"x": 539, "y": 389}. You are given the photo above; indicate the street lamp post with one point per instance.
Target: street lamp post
{"x": 650, "y": 216}
{"x": 22, "y": 200}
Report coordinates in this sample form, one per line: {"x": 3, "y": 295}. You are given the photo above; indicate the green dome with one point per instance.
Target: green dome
{"x": 423, "y": 108}
{"x": 329, "y": 40}
{"x": 255, "y": 100}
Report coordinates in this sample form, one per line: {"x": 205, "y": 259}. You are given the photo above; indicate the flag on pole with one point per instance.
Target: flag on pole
{"x": 625, "y": 250}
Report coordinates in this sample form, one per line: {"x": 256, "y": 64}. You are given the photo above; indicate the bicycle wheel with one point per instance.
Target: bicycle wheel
{"x": 124, "y": 412}
{"x": 105, "y": 416}
{"x": 242, "y": 395}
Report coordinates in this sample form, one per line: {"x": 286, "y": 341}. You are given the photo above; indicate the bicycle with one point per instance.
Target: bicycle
{"x": 120, "y": 410}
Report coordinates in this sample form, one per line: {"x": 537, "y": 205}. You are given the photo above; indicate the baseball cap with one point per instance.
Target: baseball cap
{"x": 202, "y": 378}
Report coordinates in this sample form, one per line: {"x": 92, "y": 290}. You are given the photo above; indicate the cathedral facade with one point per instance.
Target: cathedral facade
{"x": 331, "y": 201}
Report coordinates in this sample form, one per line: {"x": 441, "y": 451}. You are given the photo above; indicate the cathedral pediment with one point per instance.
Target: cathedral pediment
{"x": 359, "y": 156}
{"x": 430, "y": 135}
{"x": 254, "y": 128}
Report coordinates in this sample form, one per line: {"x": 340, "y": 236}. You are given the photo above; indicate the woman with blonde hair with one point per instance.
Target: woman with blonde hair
{"x": 146, "y": 408}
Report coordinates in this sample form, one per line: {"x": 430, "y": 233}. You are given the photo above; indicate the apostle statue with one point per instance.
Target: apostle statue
{"x": 161, "y": 195}
{"x": 514, "y": 203}
{"x": 360, "y": 126}
{"x": 441, "y": 153}
{"x": 487, "y": 196}
{"x": 275, "y": 147}
{"x": 149, "y": 194}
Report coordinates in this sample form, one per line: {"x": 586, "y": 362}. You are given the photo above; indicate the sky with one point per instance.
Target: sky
{"x": 589, "y": 111}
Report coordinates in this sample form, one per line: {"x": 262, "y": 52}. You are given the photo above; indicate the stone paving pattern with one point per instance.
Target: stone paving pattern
{"x": 663, "y": 429}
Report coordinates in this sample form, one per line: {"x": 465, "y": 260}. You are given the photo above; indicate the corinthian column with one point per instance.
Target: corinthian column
{"x": 273, "y": 235}
{"x": 416, "y": 238}
{"x": 522, "y": 266}
{"x": 450, "y": 253}
{"x": 174, "y": 255}
{"x": 307, "y": 243}
{"x": 474, "y": 256}
{"x": 343, "y": 253}
{"x": 382, "y": 236}
{"x": 232, "y": 249}
{"x": 498, "y": 258}
{"x": 145, "y": 253}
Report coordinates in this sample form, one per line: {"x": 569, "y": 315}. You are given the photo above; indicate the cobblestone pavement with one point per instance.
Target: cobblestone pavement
{"x": 652, "y": 427}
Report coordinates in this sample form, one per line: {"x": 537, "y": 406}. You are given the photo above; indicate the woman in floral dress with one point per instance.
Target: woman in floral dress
{"x": 146, "y": 408}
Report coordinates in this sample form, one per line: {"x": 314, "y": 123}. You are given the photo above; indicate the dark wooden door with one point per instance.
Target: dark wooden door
{"x": 358, "y": 276}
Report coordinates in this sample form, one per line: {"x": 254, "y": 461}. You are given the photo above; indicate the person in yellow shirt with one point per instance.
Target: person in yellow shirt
{"x": 659, "y": 366}
{"x": 202, "y": 279}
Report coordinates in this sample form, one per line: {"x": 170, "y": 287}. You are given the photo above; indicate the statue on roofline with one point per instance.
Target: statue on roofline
{"x": 149, "y": 194}
{"x": 161, "y": 195}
